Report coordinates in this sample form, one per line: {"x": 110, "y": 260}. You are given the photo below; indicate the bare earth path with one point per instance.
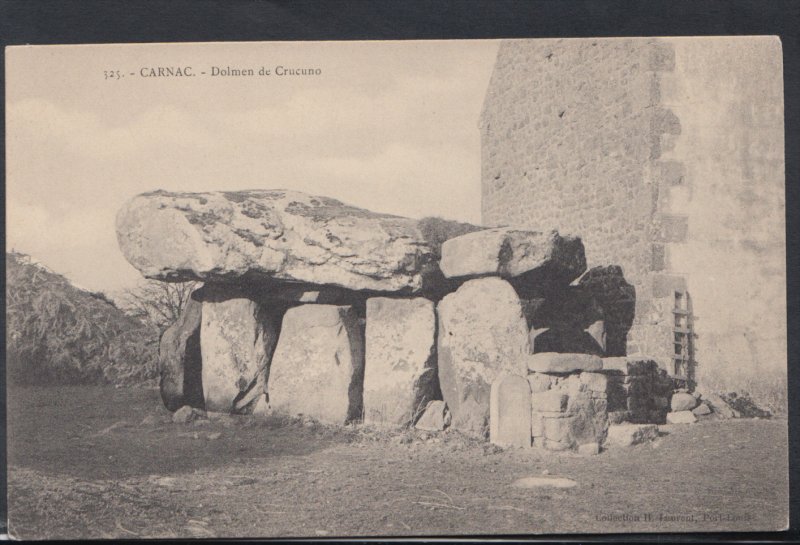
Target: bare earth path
{"x": 99, "y": 462}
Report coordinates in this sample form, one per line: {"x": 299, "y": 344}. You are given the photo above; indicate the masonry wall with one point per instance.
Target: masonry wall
{"x": 729, "y": 182}
{"x": 666, "y": 157}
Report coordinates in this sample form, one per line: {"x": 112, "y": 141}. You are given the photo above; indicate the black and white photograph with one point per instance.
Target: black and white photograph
{"x": 331, "y": 289}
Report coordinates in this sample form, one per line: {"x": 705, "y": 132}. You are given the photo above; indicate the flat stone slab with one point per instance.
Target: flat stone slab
{"x": 510, "y": 253}
{"x": 544, "y": 482}
{"x": 555, "y": 362}
{"x": 510, "y": 411}
{"x": 681, "y": 417}
{"x": 226, "y": 236}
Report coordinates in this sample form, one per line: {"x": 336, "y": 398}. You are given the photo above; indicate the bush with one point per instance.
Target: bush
{"x": 57, "y": 333}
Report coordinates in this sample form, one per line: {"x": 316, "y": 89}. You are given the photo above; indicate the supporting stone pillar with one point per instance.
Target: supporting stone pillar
{"x": 401, "y": 376}
{"x": 318, "y": 367}
{"x": 237, "y": 339}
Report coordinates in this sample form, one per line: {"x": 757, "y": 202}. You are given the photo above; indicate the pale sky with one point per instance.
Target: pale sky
{"x": 390, "y": 126}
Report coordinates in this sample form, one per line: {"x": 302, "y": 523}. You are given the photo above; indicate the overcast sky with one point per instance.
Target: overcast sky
{"x": 390, "y": 126}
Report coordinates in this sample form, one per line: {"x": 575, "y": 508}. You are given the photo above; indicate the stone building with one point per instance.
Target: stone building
{"x": 666, "y": 157}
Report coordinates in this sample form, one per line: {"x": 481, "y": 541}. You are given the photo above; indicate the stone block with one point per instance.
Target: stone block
{"x": 436, "y": 417}
{"x": 510, "y": 411}
{"x": 540, "y": 382}
{"x": 180, "y": 362}
{"x": 596, "y": 382}
{"x": 549, "y": 401}
{"x": 559, "y": 429}
{"x": 626, "y": 435}
{"x": 482, "y": 334}
{"x": 701, "y": 410}
{"x": 552, "y": 362}
{"x": 400, "y": 373}
{"x": 318, "y": 367}
{"x": 508, "y": 253}
{"x": 589, "y": 449}
{"x": 682, "y": 402}
{"x": 681, "y": 417}
{"x": 719, "y": 406}
{"x": 237, "y": 340}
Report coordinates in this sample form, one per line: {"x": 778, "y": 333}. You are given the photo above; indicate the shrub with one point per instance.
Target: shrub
{"x": 56, "y": 332}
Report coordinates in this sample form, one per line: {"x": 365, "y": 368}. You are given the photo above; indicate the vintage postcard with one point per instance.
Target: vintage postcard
{"x": 417, "y": 288}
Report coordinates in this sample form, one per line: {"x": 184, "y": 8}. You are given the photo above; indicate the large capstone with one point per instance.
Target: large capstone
{"x": 482, "y": 334}
{"x": 237, "y": 339}
{"x": 542, "y": 257}
{"x": 318, "y": 366}
{"x": 273, "y": 234}
{"x": 180, "y": 361}
{"x": 400, "y": 377}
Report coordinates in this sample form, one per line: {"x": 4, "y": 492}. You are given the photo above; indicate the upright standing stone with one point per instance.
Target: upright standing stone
{"x": 318, "y": 367}
{"x": 400, "y": 375}
{"x": 180, "y": 361}
{"x": 510, "y": 411}
{"x": 482, "y": 334}
{"x": 237, "y": 339}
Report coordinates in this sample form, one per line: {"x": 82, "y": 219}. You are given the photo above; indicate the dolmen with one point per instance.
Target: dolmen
{"x": 313, "y": 307}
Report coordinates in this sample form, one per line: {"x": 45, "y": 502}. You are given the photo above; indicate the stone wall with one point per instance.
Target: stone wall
{"x": 635, "y": 145}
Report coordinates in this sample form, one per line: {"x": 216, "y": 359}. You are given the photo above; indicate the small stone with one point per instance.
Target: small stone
{"x": 435, "y": 418}
{"x": 262, "y": 407}
{"x": 681, "y": 417}
{"x": 701, "y": 410}
{"x": 719, "y": 406}
{"x": 626, "y": 435}
{"x": 555, "y": 362}
{"x": 184, "y": 415}
{"x": 589, "y": 449}
{"x": 544, "y": 482}
{"x": 213, "y": 436}
{"x": 683, "y": 402}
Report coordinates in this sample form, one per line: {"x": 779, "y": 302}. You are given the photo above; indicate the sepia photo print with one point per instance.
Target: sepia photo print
{"x": 396, "y": 288}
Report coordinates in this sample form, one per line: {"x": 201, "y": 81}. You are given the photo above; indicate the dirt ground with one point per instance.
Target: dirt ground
{"x": 100, "y": 462}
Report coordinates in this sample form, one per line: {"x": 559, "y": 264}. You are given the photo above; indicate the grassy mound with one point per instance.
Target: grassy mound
{"x": 58, "y": 333}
